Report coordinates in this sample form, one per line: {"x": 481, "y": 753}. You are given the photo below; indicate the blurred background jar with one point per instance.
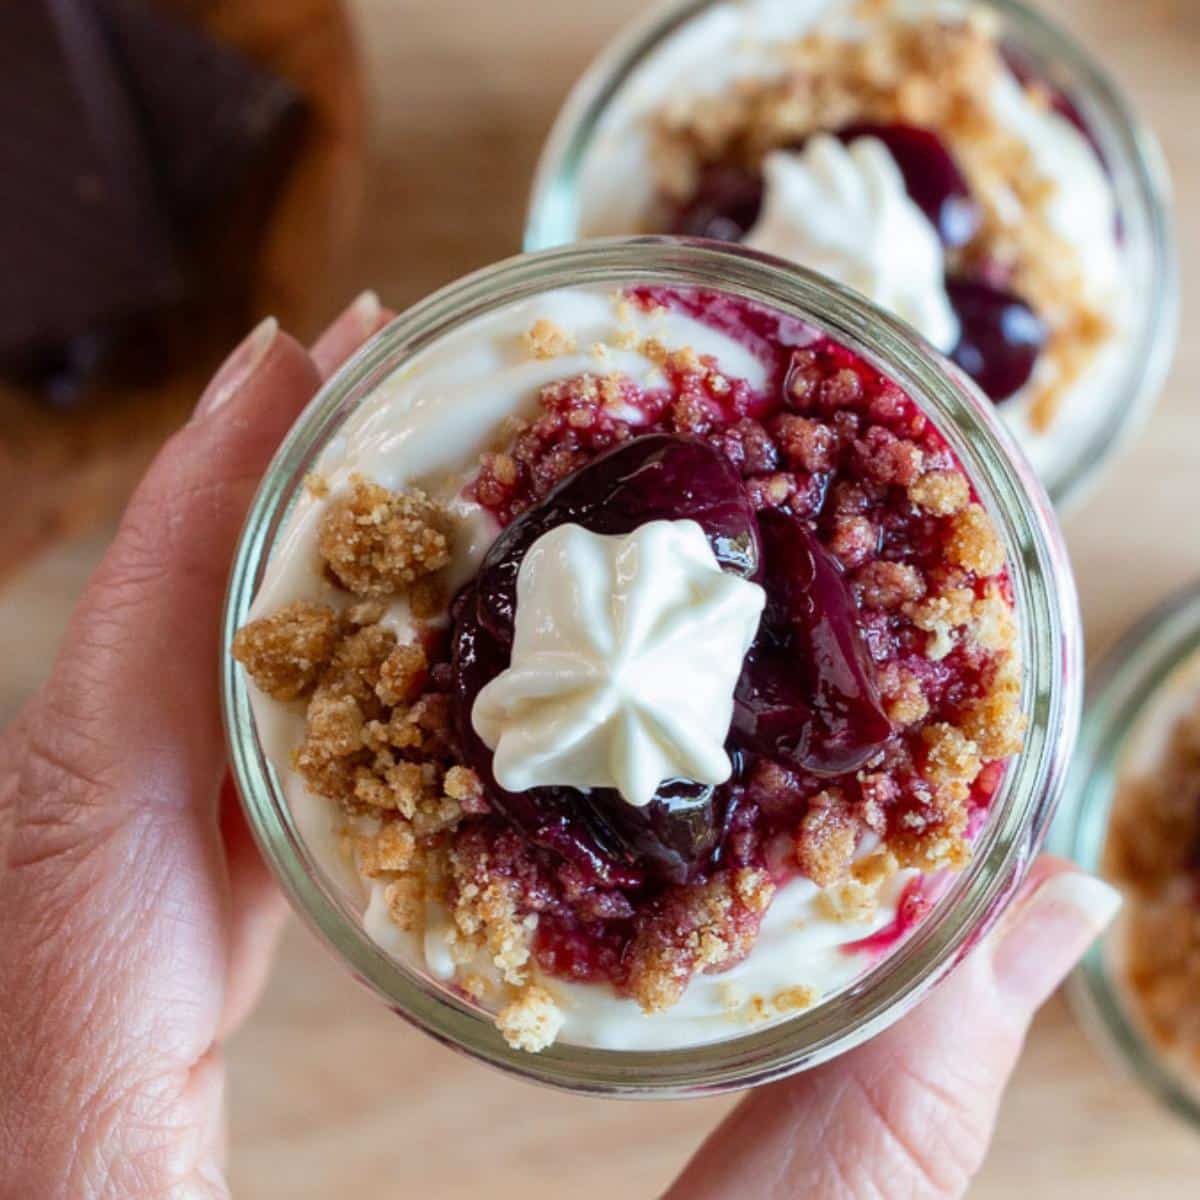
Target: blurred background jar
{"x": 662, "y": 135}
{"x": 1132, "y": 815}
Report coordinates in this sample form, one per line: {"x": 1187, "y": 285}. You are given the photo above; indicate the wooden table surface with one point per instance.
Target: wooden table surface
{"x": 331, "y": 1094}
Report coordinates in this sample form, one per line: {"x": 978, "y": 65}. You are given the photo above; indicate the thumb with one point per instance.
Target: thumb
{"x": 910, "y": 1113}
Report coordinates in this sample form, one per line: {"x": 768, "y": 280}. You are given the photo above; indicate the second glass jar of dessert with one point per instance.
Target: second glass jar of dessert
{"x": 964, "y": 163}
{"x": 504, "y": 583}
{"x": 1131, "y": 814}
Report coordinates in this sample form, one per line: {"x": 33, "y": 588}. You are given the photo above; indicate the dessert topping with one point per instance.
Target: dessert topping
{"x": 377, "y": 542}
{"x": 626, "y": 650}
{"x": 844, "y": 211}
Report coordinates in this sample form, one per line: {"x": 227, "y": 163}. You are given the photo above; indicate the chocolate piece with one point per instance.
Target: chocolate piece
{"x": 140, "y": 181}
{"x": 214, "y": 121}
{"x": 82, "y": 238}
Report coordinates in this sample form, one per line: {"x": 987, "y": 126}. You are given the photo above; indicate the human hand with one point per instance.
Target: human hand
{"x": 136, "y": 918}
{"x": 910, "y": 1113}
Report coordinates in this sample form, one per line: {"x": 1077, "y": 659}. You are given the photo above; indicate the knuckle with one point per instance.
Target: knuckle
{"x": 936, "y": 1134}
{"x": 62, "y": 782}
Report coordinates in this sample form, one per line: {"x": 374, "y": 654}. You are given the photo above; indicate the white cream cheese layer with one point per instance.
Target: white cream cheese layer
{"x": 426, "y": 425}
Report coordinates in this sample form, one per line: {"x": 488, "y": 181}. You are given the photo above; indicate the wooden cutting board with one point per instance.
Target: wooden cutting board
{"x": 60, "y": 471}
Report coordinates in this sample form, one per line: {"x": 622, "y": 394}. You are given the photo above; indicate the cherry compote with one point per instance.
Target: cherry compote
{"x": 652, "y": 477}
{"x": 803, "y": 482}
{"x": 807, "y": 694}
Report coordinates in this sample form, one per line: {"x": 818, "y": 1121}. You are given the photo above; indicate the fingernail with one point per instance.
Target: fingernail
{"x": 237, "y": 369}
{"x": 1050, "y": 933}
{"x": 366, "y": 310}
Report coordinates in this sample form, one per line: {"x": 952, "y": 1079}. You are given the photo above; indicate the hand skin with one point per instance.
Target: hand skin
{"x": 137, "y": 921}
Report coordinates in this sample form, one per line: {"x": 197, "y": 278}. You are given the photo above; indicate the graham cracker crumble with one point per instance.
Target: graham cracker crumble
{"x": 706, "y": 927}
{"x": 485, "y": 908}
{"x": 760, "y": 1008}
{"x": 922, "y": 72}
{"x": 826, "y": 838}
{"x": 377, "y": 743}
{"x": 287, "y": 652}
{"x": 794, "y": 999}
{"x": 531, "y": 1021}
{"x": 545, "y": 339}
{"x": 377, "y": 542}
{"x": 855, "y": 897}
{"x": 1153, "y": 854}
{"x": 941, "y": 493}
{"x": 316, "y": 485}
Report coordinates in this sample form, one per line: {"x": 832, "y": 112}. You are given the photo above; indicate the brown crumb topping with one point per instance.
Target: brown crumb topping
{"x": 942, "y": 493}
{"x": 951, "y": 757}
{"x": 1153, "y": 853}
{"x": 485, "y": 907}
{"x": 856, "y": 896}
{"x": 696, "y": 929}
{"x": 794, "y": 999}
{"x": 973, "y": 542}
{"x": 545, "y": 339}
{"x": 286, "y": 652}
{"x": 531, "y": 1021}
{"x": 402, "y": 675}
{"x": 376, "y": 542}
{"x": 826, "y": 838}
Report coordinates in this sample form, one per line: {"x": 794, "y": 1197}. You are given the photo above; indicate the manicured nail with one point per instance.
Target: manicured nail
{"x": 366, "y": 311}
{"x": 1050, "y": 933}
{"x": 237, "y": 369}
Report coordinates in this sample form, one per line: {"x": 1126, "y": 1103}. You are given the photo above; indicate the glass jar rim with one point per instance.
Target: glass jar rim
{"x": 1048, "y": 623}
{"x": 1126, "y": 142}
{"x": 1120, "y": 691}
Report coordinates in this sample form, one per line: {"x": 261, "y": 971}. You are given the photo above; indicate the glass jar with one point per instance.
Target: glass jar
{"x": 1049, "y": 634}
{"x": 1135, "y": 164}
{"x": 1154, "y": 655}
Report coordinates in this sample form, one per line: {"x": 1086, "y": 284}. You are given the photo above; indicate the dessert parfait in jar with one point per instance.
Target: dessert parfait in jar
{"x": 963, "y": 163}
{"x": 650, "y": 667}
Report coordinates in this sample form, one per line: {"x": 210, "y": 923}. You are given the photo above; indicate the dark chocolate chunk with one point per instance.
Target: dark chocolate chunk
{"x": 140, "y": 160}
{"x": 84, "y": 242}
{"x": 214, "y": 121}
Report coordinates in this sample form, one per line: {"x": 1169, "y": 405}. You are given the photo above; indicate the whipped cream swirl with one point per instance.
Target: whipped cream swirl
{"x": 625, "y": 655}
{"x": 844, "y": 211}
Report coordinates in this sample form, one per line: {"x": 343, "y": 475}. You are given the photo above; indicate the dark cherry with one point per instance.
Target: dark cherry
{"x": 931, "y": 177}
{"x": 723, "y": 207}
{"x": 660, "y": 475}
{"x": 808, "y": 694}
{"x": 1000, "y": 336}
{"x": 656, "y": 476}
